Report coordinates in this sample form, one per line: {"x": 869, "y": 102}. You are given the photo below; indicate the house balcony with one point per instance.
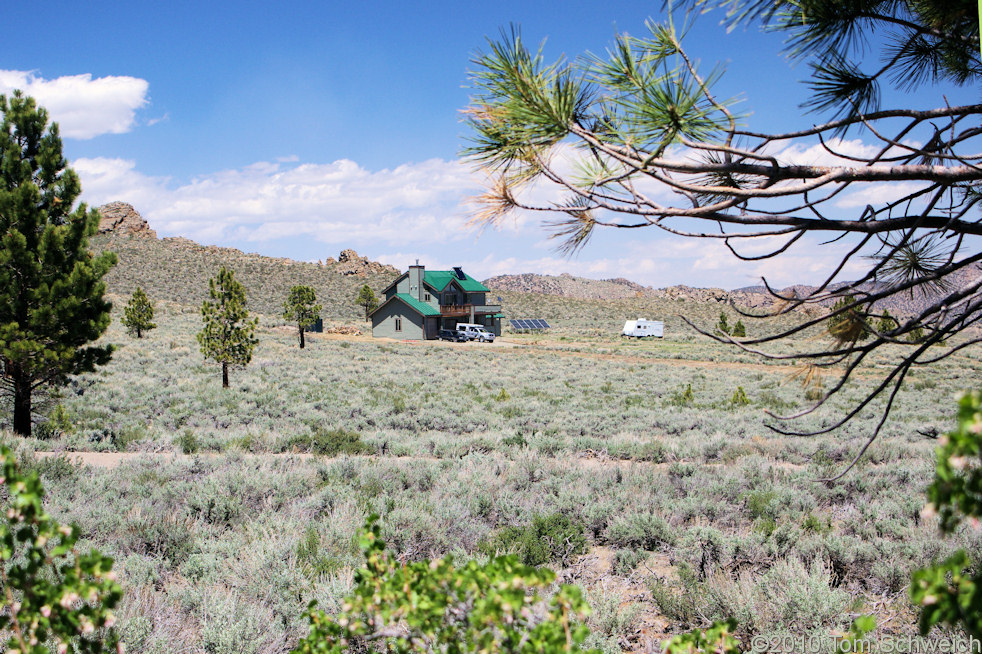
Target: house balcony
{"x": 464, "y": 310}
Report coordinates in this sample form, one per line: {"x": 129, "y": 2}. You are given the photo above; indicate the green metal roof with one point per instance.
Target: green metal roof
{"x": 439, "y": 279}
{"x": 420, "y": 307}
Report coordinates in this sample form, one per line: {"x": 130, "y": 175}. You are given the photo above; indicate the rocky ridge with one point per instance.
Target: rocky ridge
{"x": 122, "y": 218}
{"x": 349, "y": 263}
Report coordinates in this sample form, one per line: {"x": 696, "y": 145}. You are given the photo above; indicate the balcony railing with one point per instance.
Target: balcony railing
{"x": 457, "y": 310}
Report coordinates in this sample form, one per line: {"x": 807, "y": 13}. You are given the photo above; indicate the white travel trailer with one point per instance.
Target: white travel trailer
{"x": 641, "y": 328}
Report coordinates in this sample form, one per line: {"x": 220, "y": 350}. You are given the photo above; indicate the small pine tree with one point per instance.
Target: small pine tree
{"x": 723, "y": 325}
{"x": 300, "y": 308}
{"x": 887, "y": 323}
{"x": 367, "y": 298}
{"x": 138, "y": 314}
{"x": 228, "y": 335}
{"x": 851, "y": 324}
{"x": 739, "y": 330}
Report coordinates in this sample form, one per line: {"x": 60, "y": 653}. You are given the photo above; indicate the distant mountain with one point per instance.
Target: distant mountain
{"x": 583, "y": 288}
{"x": 899, "y": 304}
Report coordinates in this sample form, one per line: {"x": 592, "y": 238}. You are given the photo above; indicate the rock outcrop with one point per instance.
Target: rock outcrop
{"x": 122, "y": 218}
{"x": 349, "y": 263}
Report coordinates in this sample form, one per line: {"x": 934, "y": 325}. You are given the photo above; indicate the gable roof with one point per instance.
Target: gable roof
{"x": 421, "y": 308}
{"x": 439, "y": 279}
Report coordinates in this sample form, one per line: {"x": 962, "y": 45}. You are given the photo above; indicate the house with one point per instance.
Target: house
{"x": 421, "y": 302}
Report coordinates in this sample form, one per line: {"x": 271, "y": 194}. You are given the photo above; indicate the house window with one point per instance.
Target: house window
{"x": 426, "y": 297}
{"x": 398, "y": 324}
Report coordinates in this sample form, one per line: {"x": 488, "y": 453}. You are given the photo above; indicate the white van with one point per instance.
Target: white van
{"x": 475, "y": 332}
{"x": 642, "y": 328}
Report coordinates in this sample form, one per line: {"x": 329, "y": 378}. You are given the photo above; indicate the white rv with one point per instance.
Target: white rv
{"x": 641, "y": 328}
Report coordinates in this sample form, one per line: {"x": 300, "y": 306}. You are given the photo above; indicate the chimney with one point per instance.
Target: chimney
{"x": 416, "y": 281}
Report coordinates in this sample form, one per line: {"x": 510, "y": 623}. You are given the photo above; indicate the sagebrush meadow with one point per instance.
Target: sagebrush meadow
{"x": 232, "y": 509}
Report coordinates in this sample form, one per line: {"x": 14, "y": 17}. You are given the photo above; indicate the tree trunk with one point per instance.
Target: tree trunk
{"x": 224, "y": 375}
{"x": 139, "y": 333}
{"x": 22, "y": 405}
{"x": 301, "y": 338}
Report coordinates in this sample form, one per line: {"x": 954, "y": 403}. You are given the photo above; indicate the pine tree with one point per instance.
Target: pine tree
{"x": 138, "y": 314}
{"x": 739, "y": 329}
{"x": 723, "y": 325}
{"x": 228, "y": 335}
{"x": 849, "y": 322}
{"x": 300, "y": 308}
{"x": 52, "y": 303}
{"x": 887, "y": 323}
{"x": 367, "y": 298}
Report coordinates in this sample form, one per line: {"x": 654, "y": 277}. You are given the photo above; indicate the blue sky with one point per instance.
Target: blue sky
{"x": 300, "y": 129}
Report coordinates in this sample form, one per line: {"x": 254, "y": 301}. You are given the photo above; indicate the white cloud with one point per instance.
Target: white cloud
{"x": 82, "y": 106}
{"x": 336, "y": 203}
{"x": 420, "y": 211}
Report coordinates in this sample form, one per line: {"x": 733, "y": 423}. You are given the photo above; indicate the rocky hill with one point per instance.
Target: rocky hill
{"x": 751, "y": 297}
{"x": 178, "y": 269}
{"x": 566, "y": 285}
{"x": 900, "y": 304}
{"x": 582, "y": 288}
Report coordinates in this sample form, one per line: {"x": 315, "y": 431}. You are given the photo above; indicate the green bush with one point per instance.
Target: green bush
{"x": 951, "y": 592}
{"x": 51, "y": 591}
{"x": 683, "y": 398}
{"x": 554, "y": 537}
{"x": 434, "y": 606}
{"x": 188, "y": 442}
{"x": 332, "y": 442}
{"x": 642, "y": 531}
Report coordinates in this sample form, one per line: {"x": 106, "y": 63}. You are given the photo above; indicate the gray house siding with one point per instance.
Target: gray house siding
{"x": 385, "y": 322}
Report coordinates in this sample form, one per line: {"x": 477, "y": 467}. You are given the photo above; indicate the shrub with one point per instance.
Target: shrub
{"x": 683, "y": 398}
{"x": 642, "y": 531}
{"x": 332, "y": 442}
{"x": 625, "y": 561}
{"x": 188, "y": 442}
{"x": 951, "y": 592}
{"x": 554, "y": 537}
{"x": 516, "y": 440}
{"x": 739, "y": 397}
{"x": 50, "y": 590}
{"x": 434, "y": 606}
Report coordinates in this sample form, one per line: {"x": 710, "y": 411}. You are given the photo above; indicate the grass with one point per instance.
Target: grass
{"x": 557, "y": 447}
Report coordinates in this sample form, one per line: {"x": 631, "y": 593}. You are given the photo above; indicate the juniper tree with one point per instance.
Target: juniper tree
{"x": 138, "y": 314}
{"x": 640, "y": 138}
{"x": 300, "y": 308}
{"x": 228, "y": 335}
{"x": 52, "y": 293}
{"x": 367, "y": 298}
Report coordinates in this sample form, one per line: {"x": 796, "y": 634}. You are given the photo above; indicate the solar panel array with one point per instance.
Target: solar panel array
{"x": 529, "y": 324}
